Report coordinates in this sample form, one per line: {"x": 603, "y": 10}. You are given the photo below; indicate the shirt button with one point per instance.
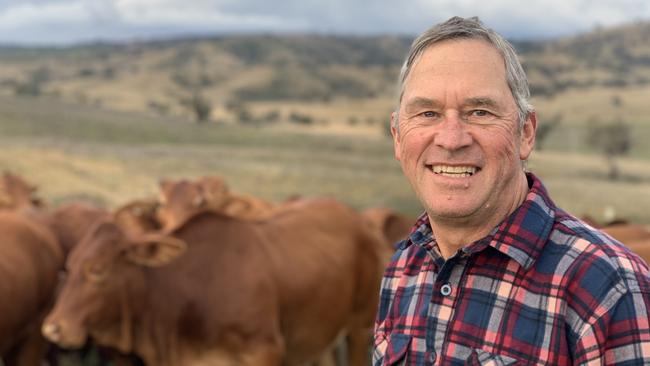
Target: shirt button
{"x": 445, "y": 290}
{"x": 432, "y": 357}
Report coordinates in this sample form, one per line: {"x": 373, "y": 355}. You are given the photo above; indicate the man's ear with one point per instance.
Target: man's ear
{"x": 394, "y": 131}
{"x": 528, "y": 130}
{"x": 154, "y": 250}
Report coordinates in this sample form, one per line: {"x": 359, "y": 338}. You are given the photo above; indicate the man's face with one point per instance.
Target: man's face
{"x": 459, "y": 141}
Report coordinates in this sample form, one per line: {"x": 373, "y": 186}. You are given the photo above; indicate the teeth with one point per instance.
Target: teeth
{"x": 454, "y": 171}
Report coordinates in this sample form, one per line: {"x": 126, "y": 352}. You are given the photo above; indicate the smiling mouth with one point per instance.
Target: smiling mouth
{"x": 454, "y": 171}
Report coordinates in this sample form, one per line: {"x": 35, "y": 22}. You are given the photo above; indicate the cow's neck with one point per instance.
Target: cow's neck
{"x": 157, "y": 335}
{"x": 120, "y": 334}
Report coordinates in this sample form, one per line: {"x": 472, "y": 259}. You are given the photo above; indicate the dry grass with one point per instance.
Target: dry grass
{"x": 578, "y": 184}
{"x": 579, "y": 106}
{"x": 80, "y": 152}
{"x": 113, "y": 175}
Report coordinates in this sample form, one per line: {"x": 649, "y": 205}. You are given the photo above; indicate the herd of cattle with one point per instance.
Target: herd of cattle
{"x": 197, "y": 276}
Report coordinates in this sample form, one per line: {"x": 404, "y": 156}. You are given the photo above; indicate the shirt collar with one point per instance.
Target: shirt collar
{"x": 521, "y": 236}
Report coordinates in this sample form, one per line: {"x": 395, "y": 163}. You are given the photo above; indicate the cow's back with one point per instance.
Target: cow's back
{"x": 221, "y": 291}
{"x": 327, "y": 265}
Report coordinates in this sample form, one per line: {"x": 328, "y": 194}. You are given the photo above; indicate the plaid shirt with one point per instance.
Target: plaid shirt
{"x": 542, "y": 288}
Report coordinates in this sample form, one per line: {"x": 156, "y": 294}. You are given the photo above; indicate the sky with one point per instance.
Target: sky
{"x": 65, "y": 22}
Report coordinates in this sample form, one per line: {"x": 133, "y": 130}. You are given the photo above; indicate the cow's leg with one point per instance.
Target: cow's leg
{"x": 359, "y": 341}
{"x": 326, "y": 359}
{"x": 341, "y": 352}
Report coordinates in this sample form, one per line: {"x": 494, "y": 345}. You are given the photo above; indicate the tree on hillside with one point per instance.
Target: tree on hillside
{"x": 34, "y": 82}
{"x": 191, "y": 82}
{"x": 544, "y": 129}
{"x": 198, "y": 105}
{"x": 613, "y": 140}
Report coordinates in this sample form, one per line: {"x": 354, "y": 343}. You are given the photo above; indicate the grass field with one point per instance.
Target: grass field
{"x": 76, "y": 152}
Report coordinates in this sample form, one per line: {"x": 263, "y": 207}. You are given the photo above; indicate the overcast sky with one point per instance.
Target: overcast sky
{"x": 70, "y": 21}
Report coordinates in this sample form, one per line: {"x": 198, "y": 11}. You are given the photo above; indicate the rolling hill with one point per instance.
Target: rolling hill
{"x": 318, "y": 79}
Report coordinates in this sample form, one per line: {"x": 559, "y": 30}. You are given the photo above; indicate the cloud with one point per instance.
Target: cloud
{"x": 25, "y": 15}
{"x": 66, "y": 21}
{"x": 196, "y": 15}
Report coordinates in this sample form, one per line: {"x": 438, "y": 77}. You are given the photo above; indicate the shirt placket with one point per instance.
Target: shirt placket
{"x": 441, "y": 309}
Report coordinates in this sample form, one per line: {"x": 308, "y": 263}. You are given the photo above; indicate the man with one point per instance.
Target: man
{"x": 494, "y": 272}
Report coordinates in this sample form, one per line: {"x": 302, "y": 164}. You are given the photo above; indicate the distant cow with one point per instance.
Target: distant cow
{"x": 393, "y": 225}
{"x": 634, "y": 236}
{"x": 71, "y": 221}
{"x": 182, "y": 199}
{"x": 138, "y": 216}
{"x": 17, "y": 194}
{"x": 30, "y": 259}
{"x": 621, "y": 230}
{"x": 628, "y": 233}
{"x": 223, "y": 291}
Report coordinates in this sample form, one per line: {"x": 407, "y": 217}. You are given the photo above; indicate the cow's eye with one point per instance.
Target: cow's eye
{"x": 95, "y": 271}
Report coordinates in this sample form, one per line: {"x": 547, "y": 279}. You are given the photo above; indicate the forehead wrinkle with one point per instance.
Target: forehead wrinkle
{"x": 416, "y": 103}
{"x": 481, "y": 102}
{"x": 421, "y": 102}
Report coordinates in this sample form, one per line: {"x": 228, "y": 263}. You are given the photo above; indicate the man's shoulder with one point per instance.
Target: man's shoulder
{"x": 595, "y": 256}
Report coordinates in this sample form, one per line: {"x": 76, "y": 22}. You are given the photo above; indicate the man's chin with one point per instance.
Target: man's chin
{"x": 450, "y": 213}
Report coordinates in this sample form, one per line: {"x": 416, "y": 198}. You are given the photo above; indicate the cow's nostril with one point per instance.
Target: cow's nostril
{"x": 51, "y": 331}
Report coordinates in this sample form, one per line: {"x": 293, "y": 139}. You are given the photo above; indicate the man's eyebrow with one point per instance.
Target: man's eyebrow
{"x": 420, "y": 102}
{"x": 481, "y": 102}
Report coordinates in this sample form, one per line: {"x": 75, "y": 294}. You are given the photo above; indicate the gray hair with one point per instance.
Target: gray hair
{"x": 472, "y": 28}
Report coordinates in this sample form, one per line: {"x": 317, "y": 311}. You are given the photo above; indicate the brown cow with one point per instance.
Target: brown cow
{"x": 30, "y": 259}
{"x": 623, "y": 231}
{"x": 138, "y": 216}
{"x": 392, "y": 225}
{"x": 628, "y": 233}
{"x": 71, "y": 221}
{"x": 67, "y": 223}
{"x": 17, "y": 194}
{"x": 641, "y": 248}
{"x": 223, "y": 291}
{"x": 180, "y": 200}
{"x": 634, "y": 236}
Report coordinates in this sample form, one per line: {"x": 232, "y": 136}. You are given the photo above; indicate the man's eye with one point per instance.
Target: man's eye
{"x": 480, "y": 113}
{"x": 429, "y": 114}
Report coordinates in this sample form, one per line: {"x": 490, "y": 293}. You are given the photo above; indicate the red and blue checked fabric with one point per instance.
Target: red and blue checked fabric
{"x": 543, "y": 288}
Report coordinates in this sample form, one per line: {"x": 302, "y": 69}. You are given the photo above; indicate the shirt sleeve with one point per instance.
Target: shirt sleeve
{"x": 621, "y": 334}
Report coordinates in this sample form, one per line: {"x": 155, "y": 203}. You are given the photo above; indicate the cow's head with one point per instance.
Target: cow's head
{"x": 392, "y": 225}
{"x": 16, "y": 193}
{"x": 105, "y": 284}
{"x": 138, "y": 217}
{"x": 181, "y": 200}
{"x": 72, "y": 220}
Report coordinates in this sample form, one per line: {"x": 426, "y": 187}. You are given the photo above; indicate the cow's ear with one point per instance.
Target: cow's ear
{"x": 155, "y": 250}
{"x": 199, "y": 201}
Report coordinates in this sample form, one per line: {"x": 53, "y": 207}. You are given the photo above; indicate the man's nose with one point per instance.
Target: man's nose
{"x": 452, "y": 133}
